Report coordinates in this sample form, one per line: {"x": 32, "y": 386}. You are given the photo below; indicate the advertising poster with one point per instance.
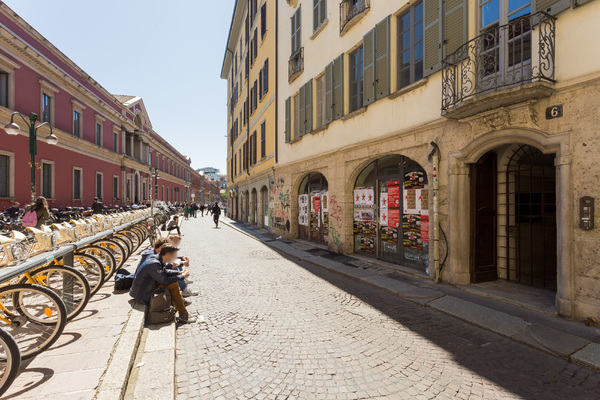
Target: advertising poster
{"x": 316, "y": 204}
{"x": 383, "y": 217}
{"x": 366, "y": 215}
{"x": 411, "y": 232}
{"x": 357, "y": 215}
{"x": 303, "y": 210}
{"x": 325, "y": 223}
{"x": 357, "y": 227}
{"x": 414, "y": 180}
{"x": 394, "y": 217}
{"x": 410, "y": 201}
{"x": 389, "y": 234}
{"x": 367, "y": 244}
{"x": 423, "y": 200}
{"x": 314, "y": 222}
{"x": 325, "y": 201}
{"x": 424, "y": 228}
{"x": 393, "y": 194}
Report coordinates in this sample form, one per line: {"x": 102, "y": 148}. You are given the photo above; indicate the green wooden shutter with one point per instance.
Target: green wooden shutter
{"x": 382, "y": 58}
{"x": 432, "y": 57}
{"x": 455, "y": 25}
{"x": 288, "y": 121}
{"x": 329, "y": 93}
{"x": 293, "y": 25}
{"x": 302, "y": 113}
{"x": 369, "y": 68}
{"x": 552, "y": 7}
{"x": 308, "y": 108}
{"x": 338, "y": 87}
{"x": 577, "y": 3}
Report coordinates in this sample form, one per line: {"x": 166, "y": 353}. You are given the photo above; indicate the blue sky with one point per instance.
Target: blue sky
{"x": 169, "y": 52}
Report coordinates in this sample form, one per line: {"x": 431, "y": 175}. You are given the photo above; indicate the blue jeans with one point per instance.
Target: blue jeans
{"x": 182, "y": 284}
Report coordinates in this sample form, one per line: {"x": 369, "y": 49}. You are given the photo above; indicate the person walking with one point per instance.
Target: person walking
{"x": 194, "y": 209}
{"x": 186, "y": 211}
{"x": 216, "y": 212}
{"x": 41, "y": 210}
{"x": 13, "y": 212}
{"x": 202, "y": 209}
{"x": 97, "y": 206}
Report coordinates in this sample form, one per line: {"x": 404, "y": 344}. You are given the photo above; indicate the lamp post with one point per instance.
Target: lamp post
{"x": 154, "y": 173}
{"x": 187, "y": 191}
{"x": 13, "y": 129}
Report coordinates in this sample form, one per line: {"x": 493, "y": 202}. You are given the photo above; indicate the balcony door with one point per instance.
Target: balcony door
{"x": 505, "y": 48}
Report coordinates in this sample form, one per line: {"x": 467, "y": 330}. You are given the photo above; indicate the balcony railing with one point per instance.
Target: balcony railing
{"x": 506, "y": 56}
{"x": 296, "y": 64}
{"x": 349, "y": 9}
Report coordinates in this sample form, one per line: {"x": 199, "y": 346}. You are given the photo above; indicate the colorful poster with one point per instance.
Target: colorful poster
{"x": 393, "y": 194}
{"x": 303, "y": 210}
{"x": 383, "y": 200}
{"x": 414, "y": 180}
{"x": 394, "y": 217}
{"x": 316, "y": 204}
{"x": 424, "y": 228}
{"x": 366, "y": 215}
{"x": 325, "y": 223}
{"x": 410, "y": 201}
{"x": 411, "y": 231}
{"x": 383, "y": 217}
{"x": 357, "y": 227}
{"x": 423, "y": 200}
{"x": 357, "y": 215}
{"x": 325, "y": 201}
{"x": 389, "y": 235}
{"x": 368, "y": 229}
{"x": 367, "y": 244}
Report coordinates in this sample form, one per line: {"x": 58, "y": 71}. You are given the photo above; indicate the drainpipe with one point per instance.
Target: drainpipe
{"x": 434, "y": 156}
{"x": 276, "y": 80}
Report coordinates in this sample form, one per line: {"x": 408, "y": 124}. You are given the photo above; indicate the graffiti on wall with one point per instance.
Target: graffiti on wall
{"x": 280, "y": 201}
{"x": 335, "y": 212}
{"x": 335, "y": 235}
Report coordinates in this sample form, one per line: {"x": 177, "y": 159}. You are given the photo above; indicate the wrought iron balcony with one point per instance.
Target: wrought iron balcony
{"x": 350, "y": 9}
{"x": 504, "y": 57}
{"x": 296, "y": 64}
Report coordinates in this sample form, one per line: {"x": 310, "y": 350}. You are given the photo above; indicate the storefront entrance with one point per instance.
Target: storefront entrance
{"x": 391, "y": 212}
{"x": 313, "y": 212}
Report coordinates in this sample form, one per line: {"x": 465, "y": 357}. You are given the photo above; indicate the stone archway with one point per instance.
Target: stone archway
{"x": 459, "y": 206}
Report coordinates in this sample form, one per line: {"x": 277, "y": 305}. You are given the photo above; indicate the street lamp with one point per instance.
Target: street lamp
{"x": 187, "y": 191}
{"x": 13, "y": 129}
{"x": 154, "y": 173}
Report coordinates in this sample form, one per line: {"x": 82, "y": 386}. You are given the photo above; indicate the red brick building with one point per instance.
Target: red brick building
{"x": 106, "y": 143}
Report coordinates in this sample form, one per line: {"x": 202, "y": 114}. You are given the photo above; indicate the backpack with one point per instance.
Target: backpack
{"x": 30, "y": 219}
{"x": 123, "y": 279}
{"x": 161, "y": 309}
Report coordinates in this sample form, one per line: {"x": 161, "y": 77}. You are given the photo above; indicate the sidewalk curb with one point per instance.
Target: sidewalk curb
{"x": 569, "y": 347}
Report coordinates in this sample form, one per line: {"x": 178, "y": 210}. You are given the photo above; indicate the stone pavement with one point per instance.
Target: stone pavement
{"x": 280, "y": 327}
{"x": 92, "y": 358}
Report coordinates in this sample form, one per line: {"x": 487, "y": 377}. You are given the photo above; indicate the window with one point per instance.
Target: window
{"x": 320, "y": 104}
{"x": 76, "y": 123}
{"x": 255, "y": 45}
{"x": 265, "y": 77}
{"x": 319, "y": 13}
{"x": 4, "y": 89}
{"x": 234, "y": 164}
{"x": 297, "y": 30}
{"x": 247, "y": 34}
{"x": 356, "y": 79}
{"x": 46, "y": 108}
{"x": 263, "y": 140}
{"x": 263, "y": 20}
{"x": 99, "y": 185}
{"x": 4, "y": 176}
{"x": 410, "y": 46}
{"x": 296, "y": 117}
{"x": 247, "y": 67}
{"x": 98, "y": 134}
{"x": 260, "y": 85}
{"x": 115, "y": 187}
{"x": 254, "y": 97}
{"x": 77, "y": 183}
{"x": 47, "y": 180}
{"x": 253, "y": 154}
{"x": 116, "y": 144}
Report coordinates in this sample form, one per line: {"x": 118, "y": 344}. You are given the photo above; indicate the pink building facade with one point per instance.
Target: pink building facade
{"x": 106, "y": 145}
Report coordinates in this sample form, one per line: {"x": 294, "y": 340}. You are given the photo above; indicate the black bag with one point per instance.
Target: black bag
{"x": 161, "y": 308}
{"x": 123, "y": 279}
{"x": 163, "y": 227}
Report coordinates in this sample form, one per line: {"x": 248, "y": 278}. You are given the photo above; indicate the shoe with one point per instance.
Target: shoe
{"x": 186, "y": 319}
{"x": 187, "y": 302}
{"x": 189, "y": 281}
{"x": 189, "y": 292}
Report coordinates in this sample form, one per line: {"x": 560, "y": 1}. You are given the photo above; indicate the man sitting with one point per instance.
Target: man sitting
{"x": 153, "y": 251}
{"x": 174, "y": 224}
{"x": 178, "y": 264}
{"x": 153, "y": 274}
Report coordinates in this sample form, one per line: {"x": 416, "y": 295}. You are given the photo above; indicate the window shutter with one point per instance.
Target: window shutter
{"x": 288, "y": 121}
{"x": 260, "y": 84}
{"x": 299, "y": 28}
{"x": 338, "y": 87}
{"x": 329, "y": 93}
{"x": 266, "y": 76}
{"x": 255, "y": 52}
{"x": 433, "y": 36}
{"x": 577, "y": 3}
{"x": 382, "y": 58}
{"x": 456, "y": 25}
{"x": 293, "y": 25}
{"x": 302, "y": 113}
{"x": 315, "y": 14}
{"x": 369, "y": 68}
{"x": 308, "y": 108}
{"x": 552, "y": 7}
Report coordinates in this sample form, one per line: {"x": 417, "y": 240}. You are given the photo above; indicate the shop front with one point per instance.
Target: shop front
{"x": 391, "y": 212}
{"x": 313, "y": 212}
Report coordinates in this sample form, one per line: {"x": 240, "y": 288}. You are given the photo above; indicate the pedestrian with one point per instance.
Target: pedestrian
{"x": 202, "y": 209}
{"x": 13, "y": 212}
{"x": 186, "y": 211}
{"x": 97, "y": 206}
{"x": 216, "y": 211}
{"x": 41, "y": 211}
{"x": 173, "y": 224}
{"x": 194, "y": 209}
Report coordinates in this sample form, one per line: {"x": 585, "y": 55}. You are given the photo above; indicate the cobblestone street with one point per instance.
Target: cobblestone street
{"x": 278, "y": 329}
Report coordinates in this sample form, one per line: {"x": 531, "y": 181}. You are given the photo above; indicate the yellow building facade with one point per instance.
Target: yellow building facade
{"x": 249, "y": 67}
{"x": 448, "y": 139}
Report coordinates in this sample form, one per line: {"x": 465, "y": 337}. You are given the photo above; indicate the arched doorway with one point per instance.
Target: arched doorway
{"x": 253, "y": 208}
{"x": 391, "y": 212}
{"x": 264, "y": 195}
{"x": 313, "y": 213}
{"x": 514, "y": 220}
{"x": 246, "y": 211}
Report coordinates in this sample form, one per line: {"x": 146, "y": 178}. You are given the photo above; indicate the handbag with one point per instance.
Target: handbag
{"x": 160, "y": 309}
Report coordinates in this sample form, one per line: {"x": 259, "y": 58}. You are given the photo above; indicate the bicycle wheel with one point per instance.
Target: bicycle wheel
{"x": 91, "y": 268}
{"x": 133, "y": 237}
{"x": 10, "y": 360}
{"x": 70, "y": 284}
{"x": 105, "y": 256}
{"x": 125, "y": 242}
{"x": 142, "y": 231}
{"x": 152, "y": 236}
{"x": 117, "y": 249}
{"x": 36, "y": 317}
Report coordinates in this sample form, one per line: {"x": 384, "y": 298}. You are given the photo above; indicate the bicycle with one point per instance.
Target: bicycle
{"x": 10, "y": 360}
